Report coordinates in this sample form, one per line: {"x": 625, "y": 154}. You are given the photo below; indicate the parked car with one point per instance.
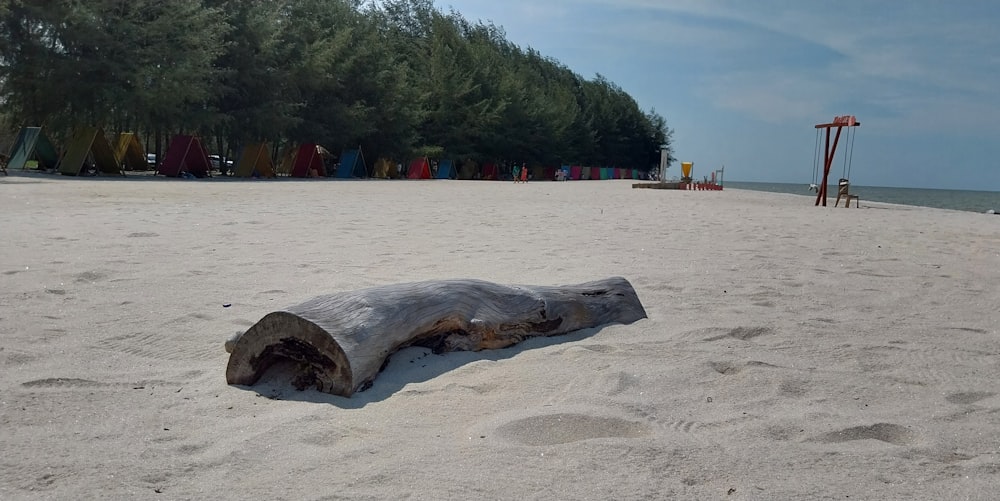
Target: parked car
{"x": 219, "y": 165}
{"x": 151, "y": 160}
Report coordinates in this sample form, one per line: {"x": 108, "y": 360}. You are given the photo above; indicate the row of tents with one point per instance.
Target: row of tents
{"x": 89, "y": 150}
{"x": 186, "y": 156}
{"x": 423, "y": 168}
{"x": 88, "y": 147}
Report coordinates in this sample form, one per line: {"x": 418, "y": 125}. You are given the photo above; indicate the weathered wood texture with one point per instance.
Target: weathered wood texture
{"x": 341, "y": 341}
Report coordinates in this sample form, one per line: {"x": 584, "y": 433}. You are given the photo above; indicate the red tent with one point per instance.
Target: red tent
{"x": 185, "y": 154}
{"x": 595, "y": 173}
{"x": 307, "y": 160}
{"x": 489, "y": 171}
{"x": 420, "y": 168}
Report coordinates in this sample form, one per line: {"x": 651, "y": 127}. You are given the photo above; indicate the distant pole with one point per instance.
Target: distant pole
{"x": 663, "y": 164}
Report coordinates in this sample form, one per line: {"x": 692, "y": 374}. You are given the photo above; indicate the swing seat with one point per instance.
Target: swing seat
{"x": 844, "y": 192}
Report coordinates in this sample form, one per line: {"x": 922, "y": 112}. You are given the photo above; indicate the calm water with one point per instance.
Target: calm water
{"x": 973, "y": 201}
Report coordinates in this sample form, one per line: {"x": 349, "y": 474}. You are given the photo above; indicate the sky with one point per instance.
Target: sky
{"x": 743, "y": 83}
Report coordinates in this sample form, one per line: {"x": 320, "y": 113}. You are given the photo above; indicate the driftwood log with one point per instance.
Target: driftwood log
{"x": 340, "y": 342}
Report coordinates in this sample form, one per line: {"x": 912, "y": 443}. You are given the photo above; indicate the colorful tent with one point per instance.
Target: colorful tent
{"x": 256, "y": 157}
{"x": 352, "y": 164}
{"x": 537, "y": 173}
{"x": 446, "y": 169}
{"x": 595, "y": 173}
{"x": 129, "y": 152}
{"x": 32, "y": 144}
{"x": 385, "y": 168}
{"x": 309, "y": 162}
{"x": 89, "y": 143}
{"x": 420, "y": 168}
{"x": 468, "y": 170}
{"x": 490, "y": 171}
{"x": 185, "y": 154}
{"x": 576, "y": 172}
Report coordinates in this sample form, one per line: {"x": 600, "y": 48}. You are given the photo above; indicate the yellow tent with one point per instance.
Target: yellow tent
{"x": 255, "y": 157}
{"x": 129, "y": 152}
{"x": 537, "y": 172}
{"x": 468, "y": 170}
{"x": 89, "y": 142}
{"x": 386, "y": 169}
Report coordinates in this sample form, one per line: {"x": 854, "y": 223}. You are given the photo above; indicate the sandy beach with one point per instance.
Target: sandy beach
{"x": 791, "y": 351}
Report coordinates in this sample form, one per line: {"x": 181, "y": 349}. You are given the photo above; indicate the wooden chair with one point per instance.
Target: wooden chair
{"x": 844, "y": 192}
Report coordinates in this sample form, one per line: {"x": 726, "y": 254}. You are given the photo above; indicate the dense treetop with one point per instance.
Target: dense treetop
{"x": 398, "y": 77}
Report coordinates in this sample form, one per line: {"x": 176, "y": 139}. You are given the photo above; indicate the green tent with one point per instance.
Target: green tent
{"x": 89, "y": 142}
{"x": 32, "y": 144}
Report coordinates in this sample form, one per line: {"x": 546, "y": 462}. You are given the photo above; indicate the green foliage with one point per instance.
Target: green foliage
{"x": 142, "y": 63}
{"x": 398, "y": 77}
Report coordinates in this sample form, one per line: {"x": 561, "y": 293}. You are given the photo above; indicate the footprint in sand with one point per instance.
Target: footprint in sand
{"x": 883, "y": 432}
{"x": 90, "y": 276}
{"x": 63, "y": 382}
{"x": 966, "y": 398}
{"x": 725, "y": 368}
{"x": 554, "y": 429}
{"x": 599, "y": 348}
{"x": 730, "y": 368}
{"x": 743, "y": 333}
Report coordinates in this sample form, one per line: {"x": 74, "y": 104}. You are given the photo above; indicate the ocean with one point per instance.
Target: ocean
{"x": 964, "y": 200}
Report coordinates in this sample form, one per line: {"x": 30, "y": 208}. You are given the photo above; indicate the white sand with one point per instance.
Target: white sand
{"x": 791, "y": 352}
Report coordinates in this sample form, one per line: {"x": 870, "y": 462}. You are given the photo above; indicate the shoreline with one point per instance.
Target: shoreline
{"x": 150, "y": 176}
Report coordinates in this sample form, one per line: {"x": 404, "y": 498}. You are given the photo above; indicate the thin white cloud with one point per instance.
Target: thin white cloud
{"x": 933, "y": 56}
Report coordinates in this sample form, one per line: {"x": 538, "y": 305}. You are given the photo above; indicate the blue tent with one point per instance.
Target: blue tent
{"x": 446, "y": 170}
{"x": 352, "y": 164}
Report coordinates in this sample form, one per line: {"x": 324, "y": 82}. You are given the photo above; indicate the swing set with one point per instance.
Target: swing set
{"x": 838, "y": 123}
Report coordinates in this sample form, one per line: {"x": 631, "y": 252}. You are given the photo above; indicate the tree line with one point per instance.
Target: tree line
{"x": 399, "y": 78}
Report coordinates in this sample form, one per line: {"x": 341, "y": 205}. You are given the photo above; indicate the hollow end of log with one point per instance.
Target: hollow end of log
{"x": 283, "y": 335}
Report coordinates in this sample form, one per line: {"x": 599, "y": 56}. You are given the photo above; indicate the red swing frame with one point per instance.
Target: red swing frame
{"x": 839, "y": 123}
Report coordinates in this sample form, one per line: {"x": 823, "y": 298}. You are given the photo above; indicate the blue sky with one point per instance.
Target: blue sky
{"x": 743, "y": 83}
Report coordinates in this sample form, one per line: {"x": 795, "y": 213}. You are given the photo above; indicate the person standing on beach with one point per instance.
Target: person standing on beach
{"x": 524, "y": 173}
{"x": 517, "y": 173}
